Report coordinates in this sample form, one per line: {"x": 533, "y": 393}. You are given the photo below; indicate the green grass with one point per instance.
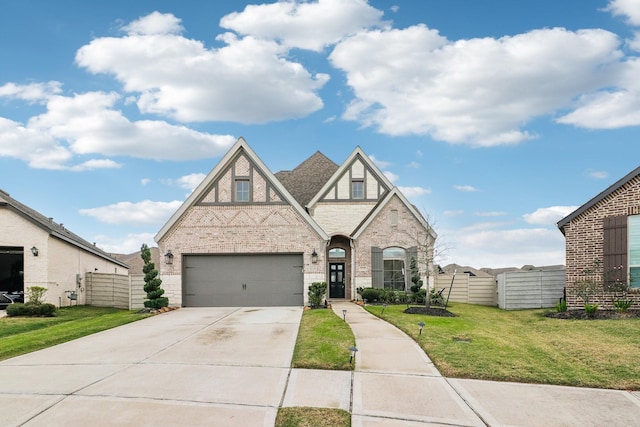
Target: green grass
{"x": 312, "y": 417}
{"x": 323, "y": 341}
{"x": 20, "y": 335}
{"x": 524, "y": 346}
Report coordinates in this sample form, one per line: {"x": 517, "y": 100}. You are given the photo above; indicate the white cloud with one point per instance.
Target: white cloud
{"x": 124, "y": 245}
{"x": 89, "y": 123}
{"x": 32, "y": 92}
{"x": 248, "y": 80}
{"x": 451, "y": 214}
{"x": 391, "y": 176}
{"x": 380, "y": 163}
{"x": 191, "y": 181}
{"x": 598, "y": 174}
{"x": 415, "y": 82}
{"x": 305, "y": 25}
{"x": 465, "y": 188}
{"x": 413, "y": 192}
{"x": 155, "y": 23}
{"x": 414, "y": 165}
{"x": 548, "y": 216}
{"x": 146, "y": 212}
{"x": 630, "y": 9}
{"x": 490, "y": 214}
{"x": 145, "y": 181}
{"x": 486, "y": 246}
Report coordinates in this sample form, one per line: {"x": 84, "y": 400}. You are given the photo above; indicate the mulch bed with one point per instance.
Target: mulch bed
{"x": 599, "y": 314}
{"x": 430, "y": 311}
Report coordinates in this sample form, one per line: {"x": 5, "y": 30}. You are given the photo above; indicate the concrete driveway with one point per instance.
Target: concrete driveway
{"x": 195, "y": 366}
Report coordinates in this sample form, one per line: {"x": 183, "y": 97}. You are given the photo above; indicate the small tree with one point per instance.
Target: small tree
{"x": 35, "y": 294}
{"x": 317, "y": 291}
{"x": 152, "y": 281}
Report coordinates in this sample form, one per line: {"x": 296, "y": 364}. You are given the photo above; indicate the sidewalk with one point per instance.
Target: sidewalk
{"x": 396, "y": 384}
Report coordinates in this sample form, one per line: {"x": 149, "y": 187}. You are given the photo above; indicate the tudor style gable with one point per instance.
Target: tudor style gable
{"x": 241, "y": 181}
{"x": 349, "y": 195}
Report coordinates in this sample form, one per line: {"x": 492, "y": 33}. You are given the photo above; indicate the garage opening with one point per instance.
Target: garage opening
{"x": 252, "y": 280}
{"x": 12, "y": 270}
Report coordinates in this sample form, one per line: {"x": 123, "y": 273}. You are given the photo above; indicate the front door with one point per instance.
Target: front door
{"x": 336, "y": 279}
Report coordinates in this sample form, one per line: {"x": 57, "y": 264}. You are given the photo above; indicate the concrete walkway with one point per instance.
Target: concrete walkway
{"x": 395, "y": 384}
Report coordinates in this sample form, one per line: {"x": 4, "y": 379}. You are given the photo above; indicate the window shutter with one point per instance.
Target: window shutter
{"x": 614, "y": 249}
{"x": 377, "y": 268}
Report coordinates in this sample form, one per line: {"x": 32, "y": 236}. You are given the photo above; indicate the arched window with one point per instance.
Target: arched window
{"x": 337, "y": 253}
{"x": 394, "y": 269}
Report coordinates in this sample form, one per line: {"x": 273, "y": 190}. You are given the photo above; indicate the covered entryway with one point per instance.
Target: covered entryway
{"x": 256, "y": 280}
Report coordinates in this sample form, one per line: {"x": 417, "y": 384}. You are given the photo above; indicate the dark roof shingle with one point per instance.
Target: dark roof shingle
{"x": 308, "y": 177}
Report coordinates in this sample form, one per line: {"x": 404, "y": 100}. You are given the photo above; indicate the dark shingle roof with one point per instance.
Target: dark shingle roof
{"x": 54, "y": 229}
{"x": 308, "y": 177}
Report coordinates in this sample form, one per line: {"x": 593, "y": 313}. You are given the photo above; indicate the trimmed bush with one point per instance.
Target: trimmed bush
{"x": 316, "y": 293}
{"x": 31, "y": 310}
{"x": 370, "y": 294}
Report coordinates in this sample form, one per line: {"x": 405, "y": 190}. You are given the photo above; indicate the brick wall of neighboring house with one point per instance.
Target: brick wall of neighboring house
{"x": 246, "y": 229}
{"x": 341, "y": 217}
{"x": 407, "y": 233}
{"x": 584, "y": 238}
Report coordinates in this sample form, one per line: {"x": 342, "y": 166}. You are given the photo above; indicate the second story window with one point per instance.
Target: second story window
{"x": 242, "y": 190}
{"x": 357, "y": 189}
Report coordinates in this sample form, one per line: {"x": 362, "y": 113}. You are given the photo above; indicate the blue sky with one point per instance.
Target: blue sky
{"x": 496, "y": 118}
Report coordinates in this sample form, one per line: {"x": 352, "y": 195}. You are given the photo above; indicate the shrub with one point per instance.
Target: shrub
{"x": 435, "y": 297}
{"x": 561, "y": 306}
{"x": 35, "y": 294}
{"x": 622, "y": 305}
{"x": 590, "y": 308}
{"x": 31, "y": 310}
{"x": 316, "y": 293}
{"x": 152, "y": 282}
{"x": 419, "y": 297}
{"x": 370, "y": 294}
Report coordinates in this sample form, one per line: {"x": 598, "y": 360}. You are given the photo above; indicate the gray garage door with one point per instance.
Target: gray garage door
{"x": 242, "y": 280}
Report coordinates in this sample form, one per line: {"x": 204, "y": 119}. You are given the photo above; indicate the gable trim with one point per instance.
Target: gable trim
{"x": 199, "y": 192}
{"x": 342, "y": 170}
{"x": 376, "y": 211}
{"x": 601, "y": 196}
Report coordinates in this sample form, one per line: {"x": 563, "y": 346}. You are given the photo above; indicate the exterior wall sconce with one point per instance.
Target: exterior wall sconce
{"x": 34, "y": 251}
{"x": 168, "y": 257}
{"x": 314, "y": 257}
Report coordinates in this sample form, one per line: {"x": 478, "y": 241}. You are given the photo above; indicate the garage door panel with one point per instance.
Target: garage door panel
{"x": 243, "y": 280}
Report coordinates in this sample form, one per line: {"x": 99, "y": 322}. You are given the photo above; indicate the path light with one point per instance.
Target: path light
{"x": 420, "y": 325}
{"x": 344, "y": 315}
{"x": 353, "y": 351}
{"x": 383, "y": 307}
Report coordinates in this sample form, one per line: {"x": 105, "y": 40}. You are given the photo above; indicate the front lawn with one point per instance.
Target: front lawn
{"x": 524, "y": 346}
{"x": 312, "y": 417}
{"x": 20, "y": 335}
{"x": 323, "y": 341}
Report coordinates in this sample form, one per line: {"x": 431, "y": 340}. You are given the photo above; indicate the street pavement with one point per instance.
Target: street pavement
{"x": 231, "y": 367}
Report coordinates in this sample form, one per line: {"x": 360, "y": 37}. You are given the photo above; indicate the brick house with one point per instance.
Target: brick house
{"x": 36, "y": 251}
{"x": 603, "y": 243}
{"x": 248, "y": 237}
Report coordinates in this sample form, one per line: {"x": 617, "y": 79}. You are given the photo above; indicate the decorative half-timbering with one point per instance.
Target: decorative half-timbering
{"x": 247, "y": 236}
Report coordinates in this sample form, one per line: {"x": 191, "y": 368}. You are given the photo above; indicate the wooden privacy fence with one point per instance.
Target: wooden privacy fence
{"x": 115, "y": 290}
{"x": 468, "y": 289}
{"x": 530, "y": 289}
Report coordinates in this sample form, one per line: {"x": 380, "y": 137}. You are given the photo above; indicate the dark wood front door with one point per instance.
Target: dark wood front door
{"x": 336, "y": 279}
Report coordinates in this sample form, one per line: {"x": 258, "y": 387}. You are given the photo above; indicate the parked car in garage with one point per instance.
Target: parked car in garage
{"x": 15, "y": 296}
{"x": 5, "y": 301}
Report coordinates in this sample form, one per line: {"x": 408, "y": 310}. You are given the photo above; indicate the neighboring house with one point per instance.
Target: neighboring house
{"x": 36, "y": 251}
{"x": 248, "y": 237}
{"x": 603, "y": 241}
